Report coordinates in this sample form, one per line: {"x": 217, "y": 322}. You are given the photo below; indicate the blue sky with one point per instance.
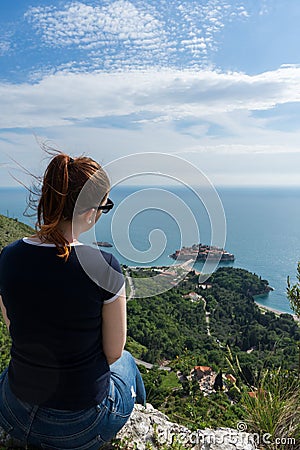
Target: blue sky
{"x": 215, "y": 82}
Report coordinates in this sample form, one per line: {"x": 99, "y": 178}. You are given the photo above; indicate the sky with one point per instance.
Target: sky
{"x": 215, "y": 83}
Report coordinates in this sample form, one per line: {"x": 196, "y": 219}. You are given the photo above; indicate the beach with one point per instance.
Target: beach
{"x": 275, "y": 311}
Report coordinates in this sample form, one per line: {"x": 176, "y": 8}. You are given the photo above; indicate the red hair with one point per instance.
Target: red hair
{"x": 63, "y": 181}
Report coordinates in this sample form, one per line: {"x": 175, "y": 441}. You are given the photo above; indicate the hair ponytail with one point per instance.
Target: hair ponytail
{"x": 63, "y": 180}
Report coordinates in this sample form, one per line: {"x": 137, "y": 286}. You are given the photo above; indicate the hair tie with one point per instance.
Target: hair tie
{"x": 71, "y": 160}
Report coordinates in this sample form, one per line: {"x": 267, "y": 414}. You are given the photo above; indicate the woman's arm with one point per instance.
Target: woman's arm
{"x": 3, "y": 309}
{"x": 114, "y": 328}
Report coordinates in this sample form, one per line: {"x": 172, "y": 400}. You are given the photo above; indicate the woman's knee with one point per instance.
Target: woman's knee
{"x": 128, "y": 356}
{"x": 124, "y": 360}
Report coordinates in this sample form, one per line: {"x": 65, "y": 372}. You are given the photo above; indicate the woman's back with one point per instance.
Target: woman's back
{"x": 55, "y": 310}
{"x": 69, "y": 383}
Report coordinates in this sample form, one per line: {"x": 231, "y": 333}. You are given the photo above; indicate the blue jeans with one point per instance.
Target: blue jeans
{"x": 90, "y": 428}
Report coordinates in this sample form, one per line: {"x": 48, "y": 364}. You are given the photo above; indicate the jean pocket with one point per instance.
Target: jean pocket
{"x": 119, "y": 400}
{"x": 94, "y": 443}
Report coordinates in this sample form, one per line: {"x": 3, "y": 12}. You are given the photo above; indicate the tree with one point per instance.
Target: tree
{"x": 293, "y": 293}
{"x": 218, "y": 384}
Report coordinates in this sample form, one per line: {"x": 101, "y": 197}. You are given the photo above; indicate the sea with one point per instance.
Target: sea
{"x": 260, "y": 226}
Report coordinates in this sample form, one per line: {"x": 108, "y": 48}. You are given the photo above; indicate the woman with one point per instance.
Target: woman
{"x": 69, "y": 384}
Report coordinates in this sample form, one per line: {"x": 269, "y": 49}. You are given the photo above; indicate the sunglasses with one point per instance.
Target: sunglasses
{"x": 107, "y": 207}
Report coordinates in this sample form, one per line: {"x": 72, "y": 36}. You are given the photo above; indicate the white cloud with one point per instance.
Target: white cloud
{"x": 123, "y": 33}
{"x": 6, "y": 38}
{"x": 265, "y": 7}
{"x": 64, "y": 99}
{"x": 223, "y": 161}
{"x": 111, "y": 115}
{"x": 88, "y": 26}
{"x": 4, "y": 47}
{"x": 115, "y": 96}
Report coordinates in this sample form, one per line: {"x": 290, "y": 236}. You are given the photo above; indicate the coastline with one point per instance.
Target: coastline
{"x": 267, "y": 308}
{"x": 263, "y": 308}
{"x": 275, "y": 311}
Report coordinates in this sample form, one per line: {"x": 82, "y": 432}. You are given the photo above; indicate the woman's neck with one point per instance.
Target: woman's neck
{"x": 65, "y": 229}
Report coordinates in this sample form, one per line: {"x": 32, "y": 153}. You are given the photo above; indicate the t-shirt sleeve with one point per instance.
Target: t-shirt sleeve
{"x": 117, "y": 280}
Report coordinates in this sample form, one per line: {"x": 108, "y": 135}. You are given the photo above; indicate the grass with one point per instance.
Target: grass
{"x": 170, "y": 381}
{"x": 12, "y": 229}
{"x": 275, "y": 409}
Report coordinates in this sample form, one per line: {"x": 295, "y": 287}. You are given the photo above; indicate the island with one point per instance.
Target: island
{"x": 202, "y": 252}
{"x": 102, "y": 244}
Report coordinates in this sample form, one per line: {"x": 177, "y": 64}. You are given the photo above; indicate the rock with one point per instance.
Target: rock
{"x": 149, "y": 428}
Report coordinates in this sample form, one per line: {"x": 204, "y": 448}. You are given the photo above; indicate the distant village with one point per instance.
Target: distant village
{"x": 208, "y": 380}
{"x": 202, "y": 252}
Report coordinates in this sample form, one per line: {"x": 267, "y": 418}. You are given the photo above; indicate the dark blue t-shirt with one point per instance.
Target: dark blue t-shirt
{"x": 55, "y": 313}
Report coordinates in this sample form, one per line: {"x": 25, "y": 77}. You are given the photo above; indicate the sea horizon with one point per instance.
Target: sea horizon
{"x": 262, "y": 230}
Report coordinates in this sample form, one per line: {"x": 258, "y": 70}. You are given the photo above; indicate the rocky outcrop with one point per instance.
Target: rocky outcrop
{"x": 149, "y": 428}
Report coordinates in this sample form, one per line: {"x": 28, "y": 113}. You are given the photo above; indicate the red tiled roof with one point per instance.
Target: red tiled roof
{"x": 203, "y": 368}
{"x": 230, "y": 377}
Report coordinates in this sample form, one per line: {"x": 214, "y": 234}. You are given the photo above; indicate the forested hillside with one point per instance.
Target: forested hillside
{"x": 168, "y": 324}
{"x": 11, "y": 230}
{"x": 219, "y": 326}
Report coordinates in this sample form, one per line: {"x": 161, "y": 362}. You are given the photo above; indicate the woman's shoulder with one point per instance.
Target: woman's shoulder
{"x": 12, "y": 245}
{"x": 112, "y": 260}
{"x": 11, "y": 248}
{"x": 22, "y": 245}
{"x": 96, "y": 254}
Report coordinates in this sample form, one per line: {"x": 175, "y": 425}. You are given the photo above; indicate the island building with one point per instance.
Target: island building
{"x": 202, "y": 252}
